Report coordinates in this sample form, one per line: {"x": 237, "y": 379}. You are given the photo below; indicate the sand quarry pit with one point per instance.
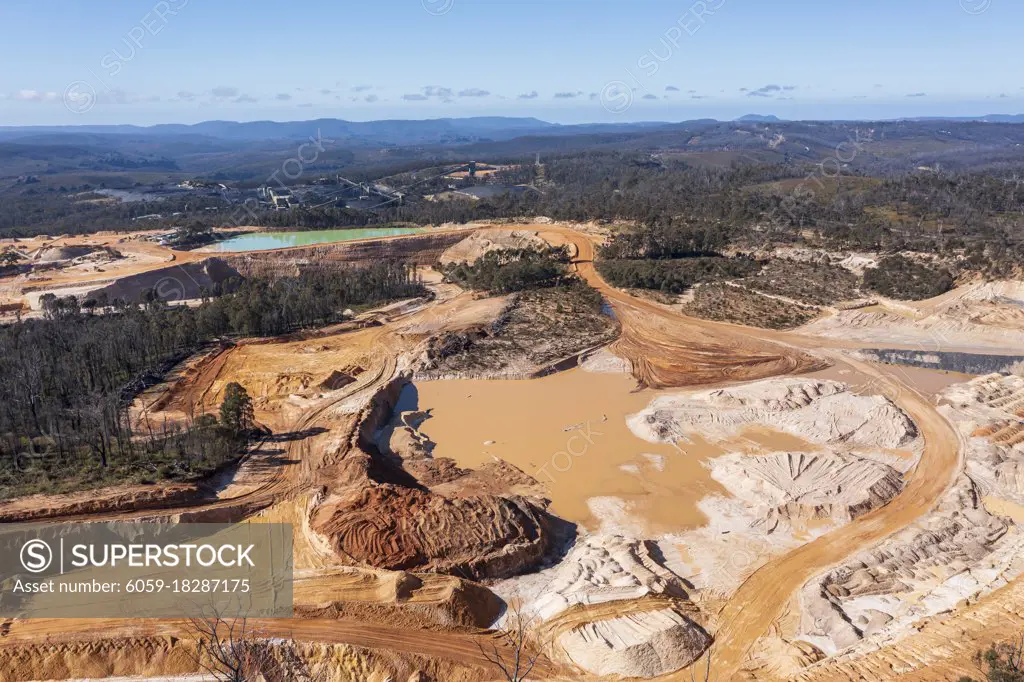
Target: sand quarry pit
{"x": 77, "y": 265}
{"x": 577, "y": 445}
{"x": 847, "y": 454}
{"x": 807, "y": 526}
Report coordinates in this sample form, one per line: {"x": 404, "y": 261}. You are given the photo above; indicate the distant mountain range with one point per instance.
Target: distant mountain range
{"x": 990, "y": 118}
{"x": 395, "y": 132}
{"x": 403, "y": 132}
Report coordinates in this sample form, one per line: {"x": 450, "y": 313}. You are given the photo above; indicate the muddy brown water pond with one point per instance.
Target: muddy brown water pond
{"x": 569, "y": 431}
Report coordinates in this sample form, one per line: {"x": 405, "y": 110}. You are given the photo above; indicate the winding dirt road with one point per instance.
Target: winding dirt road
{"x": 379, "y": 347}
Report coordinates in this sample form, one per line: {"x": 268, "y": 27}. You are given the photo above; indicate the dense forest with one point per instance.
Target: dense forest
{"x": 508, "y": 270}
{"x": 68, "y": 380}
{"x": 753, "y": 202}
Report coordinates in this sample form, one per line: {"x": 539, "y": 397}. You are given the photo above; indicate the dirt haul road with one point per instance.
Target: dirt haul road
{"x": 664, "y": 358}
{"x": 670, "y": 350}
{"x": 461, "y": 648}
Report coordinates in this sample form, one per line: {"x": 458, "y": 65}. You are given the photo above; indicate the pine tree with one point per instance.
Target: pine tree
{"x": 236, "y": 413}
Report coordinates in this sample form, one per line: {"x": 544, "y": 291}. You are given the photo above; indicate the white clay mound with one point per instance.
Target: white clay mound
{"x": 646, "y": 645}
{"x": 818, "y": 411}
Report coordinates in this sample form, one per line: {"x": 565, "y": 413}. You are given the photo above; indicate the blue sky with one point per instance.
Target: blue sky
{"x": 145, "y": 62}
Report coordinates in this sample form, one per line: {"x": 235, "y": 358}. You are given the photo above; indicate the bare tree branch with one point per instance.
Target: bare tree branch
{"x": 515, "y": 637}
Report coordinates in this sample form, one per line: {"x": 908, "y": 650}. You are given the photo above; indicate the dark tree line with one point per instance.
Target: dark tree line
{"x": 674, "y": 276}
{"x": 661, "y": 242}
{"x": 670, "y": 259}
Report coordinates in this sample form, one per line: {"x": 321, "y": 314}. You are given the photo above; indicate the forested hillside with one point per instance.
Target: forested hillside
{"x": 69, "y": 379}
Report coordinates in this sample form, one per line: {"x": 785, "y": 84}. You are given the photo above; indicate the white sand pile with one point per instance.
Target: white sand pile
{"x": 646, "y": 645}
{"x": 779, "y": 500}
{"x": 484, "y": 241}
{"x": 1001, "y": 291}
{"x": 854, "y": 262}
{"x": 858, "y": 262}
{"x": 605, "y": 568}
{"x": 800, "y": 485}
{"x": 776, "y": 503}
{"x": 819, "y": 411}
{"x": 606, "y": 362}
{"x": 989, "y": 411}
{"x": 600, "y": 568}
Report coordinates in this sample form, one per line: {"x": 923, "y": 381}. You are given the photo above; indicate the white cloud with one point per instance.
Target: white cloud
{"x": 36, "y": 96}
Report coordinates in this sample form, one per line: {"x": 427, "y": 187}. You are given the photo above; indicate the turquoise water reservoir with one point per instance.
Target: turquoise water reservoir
{"x": 267, "y": 241}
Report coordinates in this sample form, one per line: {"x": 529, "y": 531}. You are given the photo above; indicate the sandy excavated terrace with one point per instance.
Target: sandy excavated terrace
{"x": 979, "y": 317}
{"x": 78, "y": 265}
{"x": 811, "y": 515}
